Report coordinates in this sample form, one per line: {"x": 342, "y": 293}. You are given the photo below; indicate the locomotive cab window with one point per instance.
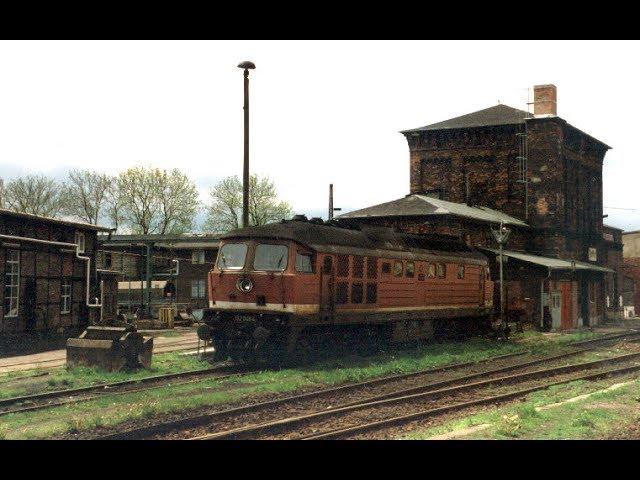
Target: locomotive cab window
{"x": 232, "y": 256}
{"x": 304, "y": 262}
{"x": 441, "y": 270}
{"x": 460, "y": 271}
{"x": 410, "y": 269}
{"x": 270, "y": 258}
{"x": 397, "y": 269}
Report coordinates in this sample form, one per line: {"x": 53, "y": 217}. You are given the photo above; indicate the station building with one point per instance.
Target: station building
{"x": 160, "y": 270}
{"x": 538, "y": 175}
{"x": 51, "y": 283}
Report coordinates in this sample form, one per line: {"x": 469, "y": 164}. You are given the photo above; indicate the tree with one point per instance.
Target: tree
{"x": 85, "y": 194}
{"x": 151, "y": 200}
{"x": 35, "y": 194}
{"x": 224, "y": 211}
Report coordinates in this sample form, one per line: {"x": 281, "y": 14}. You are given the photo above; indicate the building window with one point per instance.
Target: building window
{"x": 197, "y": 257}
{"x": 11, "y": 283}
{"x": 461, "y": 271}
{"x": 410, "y": 269}
{"x": 80, "y": 242}
{"x": 386, "y": 267}
{"x": 65, "y": 296}
{"x": 108, "y": 260}
{"x": 198, "y": 288}
{"x": 441, "y": 270}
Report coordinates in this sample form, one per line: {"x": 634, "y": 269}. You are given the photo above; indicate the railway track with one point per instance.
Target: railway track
{"x": 346, "y": 420}
{"x": 386, "y": 387}
{"x": 28, "y": 403}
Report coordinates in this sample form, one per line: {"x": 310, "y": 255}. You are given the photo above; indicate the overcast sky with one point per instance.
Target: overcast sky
{"x": 321, "y": 112}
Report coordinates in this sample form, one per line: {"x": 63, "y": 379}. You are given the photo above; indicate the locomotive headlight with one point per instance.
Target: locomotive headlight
{"x": 245, "y": 285}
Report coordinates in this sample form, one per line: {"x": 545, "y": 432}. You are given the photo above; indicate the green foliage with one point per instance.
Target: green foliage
{"x": 155, "y": 201}
{"x": 224, "y": 211}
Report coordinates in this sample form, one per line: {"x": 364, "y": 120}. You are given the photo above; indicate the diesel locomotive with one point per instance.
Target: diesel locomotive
{"x": 274, "y": 287}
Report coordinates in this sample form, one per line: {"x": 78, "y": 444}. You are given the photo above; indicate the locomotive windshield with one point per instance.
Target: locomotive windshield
{"x": 232, "y": 256}
{"x": 270, "y": 257}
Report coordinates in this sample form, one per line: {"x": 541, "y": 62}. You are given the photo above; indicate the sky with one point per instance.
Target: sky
{"x": 321, "y": 111}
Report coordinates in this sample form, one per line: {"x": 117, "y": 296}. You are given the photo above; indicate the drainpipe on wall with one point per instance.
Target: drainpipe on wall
{"x": 78, "y": 256}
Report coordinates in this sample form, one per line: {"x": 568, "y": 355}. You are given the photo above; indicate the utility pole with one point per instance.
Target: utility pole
{"x": 245, "y": 173}
{"x": 331, "y": 208}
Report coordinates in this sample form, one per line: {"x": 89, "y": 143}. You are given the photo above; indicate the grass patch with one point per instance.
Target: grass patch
{"x": 15, "y": 384}
{"x": 583, "y": 419}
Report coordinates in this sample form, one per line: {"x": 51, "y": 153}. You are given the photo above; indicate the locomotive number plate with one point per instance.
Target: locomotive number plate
{"x": 244, "y": 318}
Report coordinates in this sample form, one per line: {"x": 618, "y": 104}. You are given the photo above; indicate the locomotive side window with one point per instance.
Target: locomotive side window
{"x": 271, "y": 258}
{"x": 441, "y": 270}
{"x": 358, "y": 266}
{"x": 304, "y": 262}
{"x": 410, "y": 269}
{"x": 460, "y": 271}
{"x": 372, "y": 293}
{"x": 386, "y": 267}
{"x": 431, "y": 270}
{"x": 343, "y": 265}
{"x": 372, "y": 267}
{"x": 232, "y": 256}
{"x": 397, "y": 269}
{"x": 356, "y": 293}
{"x": 342, "y": 292}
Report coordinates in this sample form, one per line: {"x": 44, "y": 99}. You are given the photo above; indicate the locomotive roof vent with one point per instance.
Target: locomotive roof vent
{"x": 299, "y": 218}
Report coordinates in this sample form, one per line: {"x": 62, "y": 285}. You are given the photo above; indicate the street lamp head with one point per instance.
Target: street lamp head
{"x": 247, "y": 65}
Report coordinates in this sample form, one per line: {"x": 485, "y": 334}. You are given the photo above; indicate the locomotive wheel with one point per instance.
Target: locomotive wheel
{"x": 242, "y": 350}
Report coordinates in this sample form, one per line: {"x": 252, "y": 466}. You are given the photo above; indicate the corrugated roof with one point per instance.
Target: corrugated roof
{"x": 41, "y": 218}
{"x": 422, "y": 205}
{"x": 186, "y": 240}
{"x": 496, "y": 115}
{"x": 549, "y": 262}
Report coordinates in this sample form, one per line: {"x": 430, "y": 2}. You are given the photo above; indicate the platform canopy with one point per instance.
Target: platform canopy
{"x": 551, "y": 263}
{"x": 416, "y": 205}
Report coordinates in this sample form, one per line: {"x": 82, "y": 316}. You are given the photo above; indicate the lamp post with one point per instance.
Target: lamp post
{"x": 246, "y": 66}
{"x": 501, "y": 235}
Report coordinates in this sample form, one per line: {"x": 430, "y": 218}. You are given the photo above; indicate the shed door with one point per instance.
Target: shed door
{"x": 567, "y": 317}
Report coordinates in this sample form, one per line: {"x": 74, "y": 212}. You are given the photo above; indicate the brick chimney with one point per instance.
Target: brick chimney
{"x": 545, "y": 100}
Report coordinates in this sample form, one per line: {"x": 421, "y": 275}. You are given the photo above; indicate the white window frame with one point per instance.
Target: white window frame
{"x": 65, "y": 296}
{"x": 199, "y": 288}
{"x": 12, "y": 282}
{"x": 80, "y": 241}
{"x": 197, "y": 257}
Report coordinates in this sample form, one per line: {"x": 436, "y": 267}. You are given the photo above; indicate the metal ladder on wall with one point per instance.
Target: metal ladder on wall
{"x": 523, "y": 154}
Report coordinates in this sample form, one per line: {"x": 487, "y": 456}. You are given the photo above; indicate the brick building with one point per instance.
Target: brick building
{"x": 631, "y": 258}
{"x": 51, "y": 283}
{"x": 534, "y": 167}
{"x": 177, "y": 267}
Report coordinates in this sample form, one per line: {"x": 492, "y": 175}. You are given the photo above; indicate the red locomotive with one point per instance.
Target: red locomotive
{"x": 274, "y": 286}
